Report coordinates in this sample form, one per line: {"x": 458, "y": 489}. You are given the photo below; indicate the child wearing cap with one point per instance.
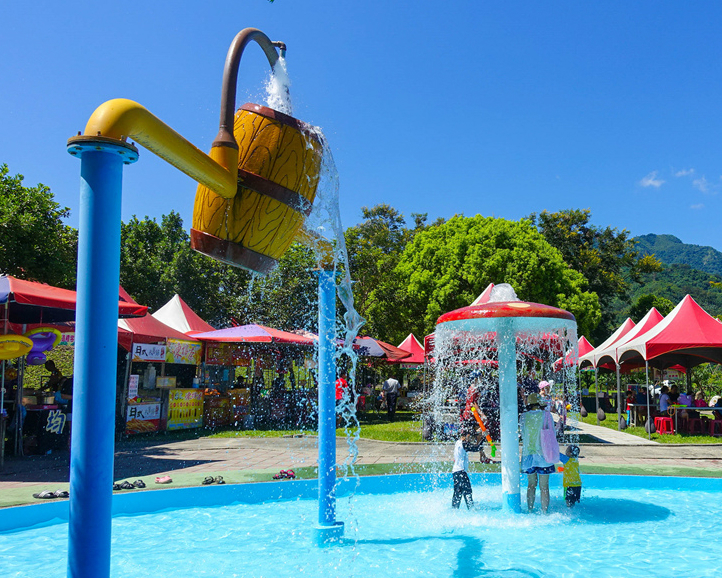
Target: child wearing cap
{"x": 462, "y": 484}
{"x": 571, "y": 481}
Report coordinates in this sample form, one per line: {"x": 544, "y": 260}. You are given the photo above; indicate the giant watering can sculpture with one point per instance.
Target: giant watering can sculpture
{"x": 256, "y": 187}
{"x": 278, "y": 170}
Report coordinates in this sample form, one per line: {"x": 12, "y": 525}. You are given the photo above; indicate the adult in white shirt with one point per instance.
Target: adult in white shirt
{"x": 391, "y": 394}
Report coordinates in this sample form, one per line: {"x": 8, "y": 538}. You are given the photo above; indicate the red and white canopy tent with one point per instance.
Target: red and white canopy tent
{"x": 572, "y": 357}
{"x": 688, "y": 336}
{"x": 609, "y": 357}
{"x": 178, "y": 315}
{"x": 591, "y": 357}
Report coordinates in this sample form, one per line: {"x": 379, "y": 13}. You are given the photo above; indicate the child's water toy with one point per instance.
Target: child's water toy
{"x": 14, "y": 346}
{"x": 43, "y": 339}
{"x": 483, "y": 430}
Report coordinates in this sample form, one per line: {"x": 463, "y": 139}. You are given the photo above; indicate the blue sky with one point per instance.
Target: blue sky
{"x": 469, "y": 106}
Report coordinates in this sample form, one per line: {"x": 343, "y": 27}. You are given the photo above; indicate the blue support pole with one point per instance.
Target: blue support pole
{"x": 328, "y": 529}
{"x": 96, "y": 346}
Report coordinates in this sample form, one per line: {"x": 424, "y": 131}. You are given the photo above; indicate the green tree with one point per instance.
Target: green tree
{"x": 447, "y": 266}
{"x": 374, "y": 249}
{"x": 156, "y": 262}
{"x": 605, "y": 256}
{"x": 35, "y": 244}
{"x": 645, "y": 302}
{"x": 287, "y": 298}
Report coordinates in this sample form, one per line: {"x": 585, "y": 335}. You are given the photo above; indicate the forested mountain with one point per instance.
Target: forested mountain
{"x": 672, "y": 251}
{"x": 676, "y": 281}
{"x": 687, "y": 269}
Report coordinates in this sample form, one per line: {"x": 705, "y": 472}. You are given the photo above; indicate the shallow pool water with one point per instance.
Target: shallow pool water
{"x": 612, "y": 532}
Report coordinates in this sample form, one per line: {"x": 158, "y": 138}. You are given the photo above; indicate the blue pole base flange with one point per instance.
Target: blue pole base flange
{"x": 325, "y": 535}
{"x": 512, "y": 503}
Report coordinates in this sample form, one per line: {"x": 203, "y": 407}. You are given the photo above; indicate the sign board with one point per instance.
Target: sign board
{"x": 148, "y": 352}
{"x": 67, "y": 339}
{"x": 185, "y": 408}
{"x": 133, "y": 386}
{"x": 142, "y": 418}
{"x": 165, "y": 382}
{"x": 185, "y": 352}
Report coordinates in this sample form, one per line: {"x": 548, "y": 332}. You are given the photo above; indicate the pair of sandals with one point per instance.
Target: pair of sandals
{"x": 126, "y": 485}
{"x": 211, "y": 480}
{"x": 285, "y": 475}
{"x": 48, "y": 495}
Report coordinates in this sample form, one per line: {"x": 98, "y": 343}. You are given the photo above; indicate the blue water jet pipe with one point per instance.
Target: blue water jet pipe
{"x": 328, "y": 529}
{"x": 509, "y": 416}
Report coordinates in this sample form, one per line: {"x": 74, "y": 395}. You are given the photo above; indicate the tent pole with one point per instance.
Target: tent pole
{"x": 20, "y": 450}
{"x": 596, "y": 392}
{"x": 649, "y": 415}
{"x": 619, "y": 400}
{"x": 124, "y": 400}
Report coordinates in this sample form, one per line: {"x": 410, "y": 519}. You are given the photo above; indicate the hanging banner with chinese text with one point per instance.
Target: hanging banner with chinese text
{"x": 185, "y": 352}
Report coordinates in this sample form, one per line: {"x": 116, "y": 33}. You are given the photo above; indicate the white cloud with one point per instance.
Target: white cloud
{"x": 697, "y": 206}
{"x": 651, "y": 180}
{"x": 702, "y": 184}
{"x": 684, "y": 173}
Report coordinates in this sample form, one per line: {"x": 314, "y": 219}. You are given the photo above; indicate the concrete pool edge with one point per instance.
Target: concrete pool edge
{"x": 24, "y": 517}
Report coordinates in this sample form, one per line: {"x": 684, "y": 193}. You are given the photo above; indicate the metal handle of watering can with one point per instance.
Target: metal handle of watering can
{"x": 225, "y": 136}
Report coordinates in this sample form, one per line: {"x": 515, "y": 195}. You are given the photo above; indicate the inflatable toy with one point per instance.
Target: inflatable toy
{"x": 44, "y": 339}
{"x": 14, "y": 346}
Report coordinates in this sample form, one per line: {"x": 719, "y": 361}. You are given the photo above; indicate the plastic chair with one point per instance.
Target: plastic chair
{"x": 694, "y": 426}
{"x": 664, "y": 425}
{"x": 715, "y": 427}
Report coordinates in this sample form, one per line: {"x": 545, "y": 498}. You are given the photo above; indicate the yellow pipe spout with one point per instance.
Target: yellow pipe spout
{"x": 121, "y": 119}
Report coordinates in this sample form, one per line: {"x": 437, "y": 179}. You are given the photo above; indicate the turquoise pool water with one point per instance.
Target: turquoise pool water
{"x": 623, "y": 527}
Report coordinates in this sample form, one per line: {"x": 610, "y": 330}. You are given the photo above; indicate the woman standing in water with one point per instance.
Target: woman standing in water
{"x": 532, "y": 458}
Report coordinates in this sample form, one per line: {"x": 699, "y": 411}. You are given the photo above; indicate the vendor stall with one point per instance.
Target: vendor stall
{"x": 161, "y": 361}
{"x": 256, "y": 375}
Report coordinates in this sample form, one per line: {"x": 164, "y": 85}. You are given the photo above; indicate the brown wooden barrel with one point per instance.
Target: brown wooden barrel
{"x": 278, "y": 173}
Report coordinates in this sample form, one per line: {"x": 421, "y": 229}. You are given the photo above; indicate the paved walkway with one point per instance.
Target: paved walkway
{"x": 256, "y": 459}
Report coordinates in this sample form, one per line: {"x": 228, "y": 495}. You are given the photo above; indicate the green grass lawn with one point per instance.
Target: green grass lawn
{"x": 405, "y": 428}
{"x": 678, "y": 438}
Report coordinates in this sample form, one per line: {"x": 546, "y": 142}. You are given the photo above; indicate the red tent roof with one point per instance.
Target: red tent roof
{"x": 146, "y": 330}
{"x": 584, "y": 346}
{"x": 688, "y": 335}
{"x": 414, "y": 347}
{"x": 179, "y": 316}
{"x": 31, "y": 302}
{"x": 371, "y": 347}
{"x": 253, "y": 333}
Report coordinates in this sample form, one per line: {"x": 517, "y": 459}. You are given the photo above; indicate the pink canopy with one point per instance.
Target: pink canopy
{"x": 253, "y": 333}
